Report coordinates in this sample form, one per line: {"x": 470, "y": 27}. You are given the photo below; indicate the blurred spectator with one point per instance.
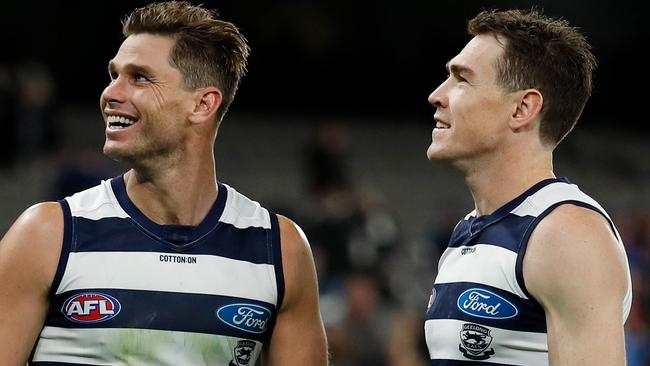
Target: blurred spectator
{"x": 36, "y": 115}
{"x": 333, "y": 211}
{"x": 328, "y": 225}
{"x": 326, "y": 161}
{"x": 349, "y": 227}
{"x": 377, "y": 232}
{"x": 7, "y": 118}
{"x": 81, "y": 169}
{"x": 360, "y": 337}
{"x": 441, "y": 229}
{"x": 635, "y": 232}
{"x": 406, "y": 345}
{"x": 354, "y": 234}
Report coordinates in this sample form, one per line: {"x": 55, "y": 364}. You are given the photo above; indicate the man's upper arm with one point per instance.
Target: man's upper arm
{"x": 29, "y": 255}
{"x": 574, "y": 267}
{"x": 299, "y": 336}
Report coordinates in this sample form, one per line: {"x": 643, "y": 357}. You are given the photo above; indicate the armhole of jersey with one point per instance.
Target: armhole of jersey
{"x": 277, "y": 258}
{"x": 65, "y": 247}
{"x": 519, "y": 267}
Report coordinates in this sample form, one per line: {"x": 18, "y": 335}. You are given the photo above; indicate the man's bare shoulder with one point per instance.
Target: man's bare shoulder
{"x": 573, "y": 247}
{"x": 34, "y": 241}
{"x": 296, "y": 252}
{"x": 298, "y": 322}
{"x": 297, "y": 259}
{"x": 293, "y": 239}
{"x": 39, "y": 221}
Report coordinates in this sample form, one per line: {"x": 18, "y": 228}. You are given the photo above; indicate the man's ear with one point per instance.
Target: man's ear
{"x": 528, "y": 106}
{"x": 206, "y": 104}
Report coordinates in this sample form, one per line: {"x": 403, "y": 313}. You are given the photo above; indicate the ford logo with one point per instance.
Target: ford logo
{"x": 247, "y": 317}
{"x": 90, "y": 307}
{"x": 485, "y": 304}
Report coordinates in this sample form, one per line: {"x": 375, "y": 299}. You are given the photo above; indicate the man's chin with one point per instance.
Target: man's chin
{"x": 115, "y": 154}
{"x": 435, "y": 154}
{"x": 441, "y": 156}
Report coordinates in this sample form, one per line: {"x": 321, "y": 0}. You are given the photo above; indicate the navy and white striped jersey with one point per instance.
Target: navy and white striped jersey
{"x": 128, "y": 291}
{"x": 480, "y": 312}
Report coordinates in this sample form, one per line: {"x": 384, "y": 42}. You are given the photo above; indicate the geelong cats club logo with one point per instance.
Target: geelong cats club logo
{"x": 474, "y": 341}
{"x": 243, "y": 353}
{"x": 90, "y": 307}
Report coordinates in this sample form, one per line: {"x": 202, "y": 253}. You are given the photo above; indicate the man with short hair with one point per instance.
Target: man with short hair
{"x": 537, "y": 273}
{"x": 163, "y": 265}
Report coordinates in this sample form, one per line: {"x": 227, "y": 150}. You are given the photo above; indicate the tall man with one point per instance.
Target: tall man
{"x": 537, "y": 273}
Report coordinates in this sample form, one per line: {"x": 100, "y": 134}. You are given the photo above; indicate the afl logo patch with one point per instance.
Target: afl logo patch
{"x": 90, "y": 307}
{"x": 485, "y": 304}
{"x": 247, "y": 317}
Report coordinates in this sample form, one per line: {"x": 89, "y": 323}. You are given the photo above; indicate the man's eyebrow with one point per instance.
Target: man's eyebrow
{"x": 457, "y": 69}
{"x": 132, "y": 68}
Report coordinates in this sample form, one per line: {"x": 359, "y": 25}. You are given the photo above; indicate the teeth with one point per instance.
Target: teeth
{"x": 441, "y": 125}
{"x": 119, "y": 119}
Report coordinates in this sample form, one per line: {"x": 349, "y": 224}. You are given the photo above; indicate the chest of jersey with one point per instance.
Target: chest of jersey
{"x": 477, "y": 312}
{"x": 128, "y": 296}
{"x": 480, "y": 312}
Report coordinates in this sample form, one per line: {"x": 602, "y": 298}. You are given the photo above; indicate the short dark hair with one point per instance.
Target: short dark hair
{"x": 545, "y": 54}
{"x": 208, "y": 51}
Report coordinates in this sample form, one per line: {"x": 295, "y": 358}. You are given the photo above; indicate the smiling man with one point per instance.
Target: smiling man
{"x": 537, "y": 273}
{"x": 163, "y": 265}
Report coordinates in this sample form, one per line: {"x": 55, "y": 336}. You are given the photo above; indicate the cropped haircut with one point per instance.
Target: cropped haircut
{"x": 207, "y": 51}
{"x": 544, "y": 54}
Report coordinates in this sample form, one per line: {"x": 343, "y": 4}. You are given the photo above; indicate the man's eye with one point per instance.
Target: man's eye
{"x": 140, "y": 78}
{"x": 456, "y": 77}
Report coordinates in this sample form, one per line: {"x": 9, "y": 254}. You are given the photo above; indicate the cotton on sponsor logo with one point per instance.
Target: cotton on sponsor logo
{"x": 90, "y": 307}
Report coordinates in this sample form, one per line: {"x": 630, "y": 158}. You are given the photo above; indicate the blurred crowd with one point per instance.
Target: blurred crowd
{"x": 28, "y": 113}
{"x": 356, "y": 239}
{"x": 32, "y": 125}
{"x": 374, "y": 283}
{"x": 635, "y": 231}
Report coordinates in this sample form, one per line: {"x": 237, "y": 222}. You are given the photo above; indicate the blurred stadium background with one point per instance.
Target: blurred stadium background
{"x": 330, "y": 127}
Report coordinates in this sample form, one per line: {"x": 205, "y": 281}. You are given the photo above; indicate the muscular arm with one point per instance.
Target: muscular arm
{"x": 29, "y": 254}
{"x": 574, "y": 268}
{"x": 298, "y": 337}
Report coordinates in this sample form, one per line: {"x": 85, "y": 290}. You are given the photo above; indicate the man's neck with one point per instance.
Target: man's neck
{"x": 499, "y": 181}
{"x": 178, "y": 195}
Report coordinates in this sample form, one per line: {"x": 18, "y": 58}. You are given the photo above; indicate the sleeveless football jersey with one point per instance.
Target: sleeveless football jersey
{"x": 131, "y": 292}
{"x": 480, "y": 312}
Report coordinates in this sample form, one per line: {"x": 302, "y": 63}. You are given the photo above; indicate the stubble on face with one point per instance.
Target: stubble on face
{"x": 158, "y": 102}
{"x": 470, "y": 104}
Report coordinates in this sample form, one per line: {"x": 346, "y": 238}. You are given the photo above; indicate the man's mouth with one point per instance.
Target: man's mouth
{"x": 442, "y": 125}
{"x": 119, "y": 122}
